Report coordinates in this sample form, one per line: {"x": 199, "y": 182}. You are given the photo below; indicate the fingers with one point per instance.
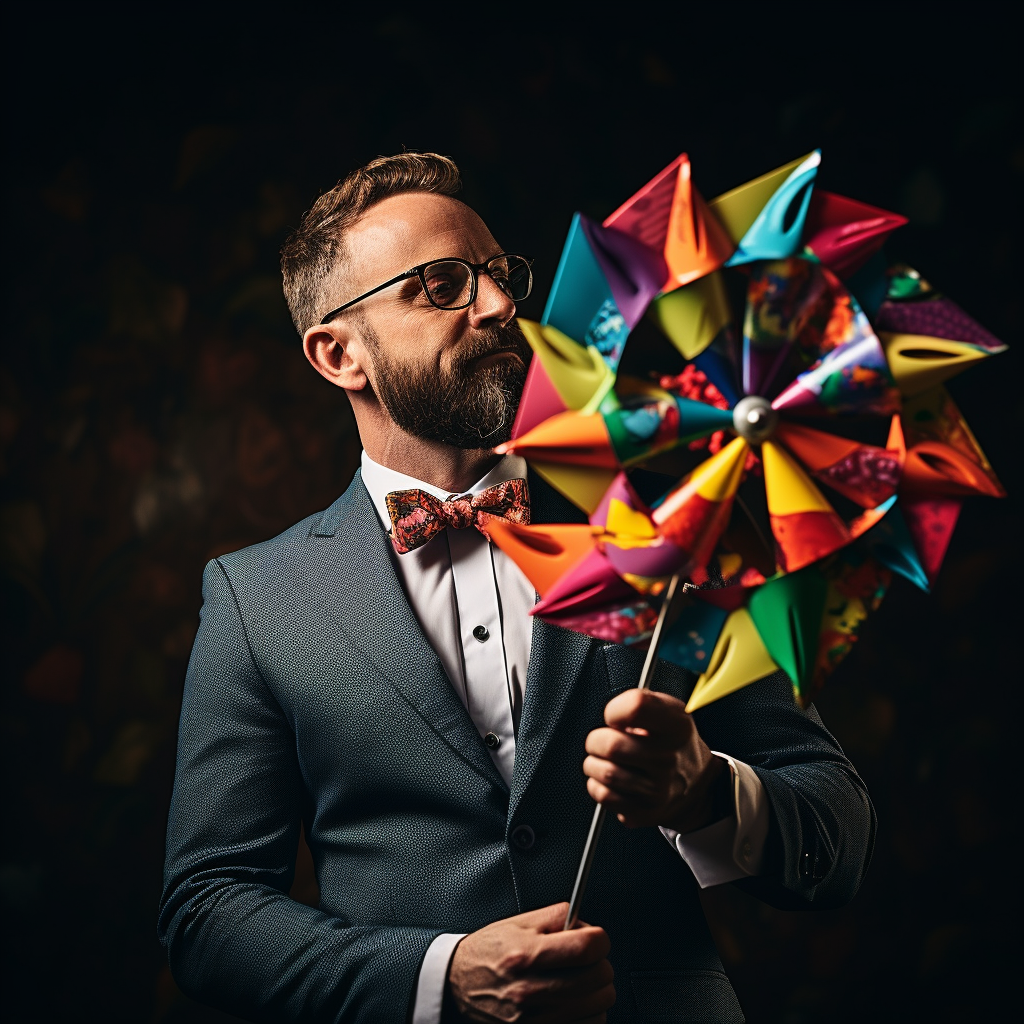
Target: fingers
{"x": 631, "y": 766}
{"x": 624, "y": 782}
{"x": 642, "y": 752}
{"x": 646, "y": 758}
{"x": 544, "y": 919}
{"x": 546, "y": 988}
{"x": 557, "y": 949}
{"x": 526, "y": 968}
{"x": 663, "y": 716}
{"x": 630, "y": 810}
{"x": 565, "y": 995}
{"x": 581, "y": 947}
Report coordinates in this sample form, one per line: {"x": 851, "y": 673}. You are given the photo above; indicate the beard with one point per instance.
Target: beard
{"x": 464, "y": 406}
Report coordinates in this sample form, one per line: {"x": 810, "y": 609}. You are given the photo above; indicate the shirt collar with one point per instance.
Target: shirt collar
{"x": 380, "y": 481}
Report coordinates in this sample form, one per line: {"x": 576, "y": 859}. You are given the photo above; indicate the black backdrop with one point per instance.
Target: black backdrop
{"x": 155, "y": 410}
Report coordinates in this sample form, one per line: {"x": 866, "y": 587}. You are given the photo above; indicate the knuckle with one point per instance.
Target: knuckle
{"x": 520, "y": 993}
{"x": 514, "y": 961}
{"x": 621, "y": 706}
{"x": 617, "y": 744}
{"x": 636, "y": 699}
{"x": 597, "y": 742}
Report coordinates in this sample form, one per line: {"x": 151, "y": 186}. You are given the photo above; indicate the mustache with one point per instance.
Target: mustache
{"x": 507, "y": 338}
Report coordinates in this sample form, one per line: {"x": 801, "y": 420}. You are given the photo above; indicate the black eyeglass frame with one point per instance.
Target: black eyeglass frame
{"x": 474, "y": 269}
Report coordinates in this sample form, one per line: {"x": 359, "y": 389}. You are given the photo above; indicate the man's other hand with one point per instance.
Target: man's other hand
{"x": 525, "y": 968}
{"x": 650, "y": 766}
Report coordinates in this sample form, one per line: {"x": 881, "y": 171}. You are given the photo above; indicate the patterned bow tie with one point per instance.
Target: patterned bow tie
{"x": 416, "y": 516}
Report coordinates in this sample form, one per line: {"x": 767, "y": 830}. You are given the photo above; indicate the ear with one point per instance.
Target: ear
{"x": 337, "y": 352}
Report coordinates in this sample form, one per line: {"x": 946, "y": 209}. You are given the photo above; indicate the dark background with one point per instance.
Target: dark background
{"x": 155, "y": 410}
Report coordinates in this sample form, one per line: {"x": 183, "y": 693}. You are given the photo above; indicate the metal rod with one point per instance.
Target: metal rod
{"x": 584, "y": 870}
{"x": 587, "y": 860}
{"x": 659, "y": 626}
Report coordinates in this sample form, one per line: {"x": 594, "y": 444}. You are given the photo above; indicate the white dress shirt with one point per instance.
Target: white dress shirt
{"x": 473, "y": 604}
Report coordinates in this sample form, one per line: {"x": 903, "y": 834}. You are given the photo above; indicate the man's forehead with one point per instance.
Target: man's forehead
{"x": 405, "y": 230}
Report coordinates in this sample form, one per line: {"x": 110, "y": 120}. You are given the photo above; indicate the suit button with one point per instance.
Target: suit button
{"x": 523, "y": 837}
{"x": 493, "y": 741}
{"x": 480, "y": 632}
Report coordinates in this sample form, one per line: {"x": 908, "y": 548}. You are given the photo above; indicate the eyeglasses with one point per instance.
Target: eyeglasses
{"x": 451, "y": 283}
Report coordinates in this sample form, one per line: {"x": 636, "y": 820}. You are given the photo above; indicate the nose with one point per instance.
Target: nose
{"x": 491, "y": 305}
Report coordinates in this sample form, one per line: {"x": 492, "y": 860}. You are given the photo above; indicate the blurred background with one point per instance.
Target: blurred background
{"x": 156, "y": 410}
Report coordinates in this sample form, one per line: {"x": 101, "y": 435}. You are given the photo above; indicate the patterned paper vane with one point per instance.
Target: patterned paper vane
{"x": 787, "y": 461}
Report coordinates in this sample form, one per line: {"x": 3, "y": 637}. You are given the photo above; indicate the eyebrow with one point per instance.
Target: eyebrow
{"x": 410, "y": 286}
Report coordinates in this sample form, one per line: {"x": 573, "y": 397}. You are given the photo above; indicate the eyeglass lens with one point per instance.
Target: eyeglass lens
{"x": 512, "y": 274}
{"x": 450, "y": 283}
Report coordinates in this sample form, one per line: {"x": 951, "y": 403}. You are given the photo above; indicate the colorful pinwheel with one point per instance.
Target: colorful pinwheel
{"x": 786, "y": 463}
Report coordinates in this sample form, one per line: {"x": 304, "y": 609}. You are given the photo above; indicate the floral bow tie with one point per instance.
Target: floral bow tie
{"x": 416, "y": 516}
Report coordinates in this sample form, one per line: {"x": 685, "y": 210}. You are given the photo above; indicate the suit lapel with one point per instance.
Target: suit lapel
{"x": 374, "y": 613}
{"x": 557, "y": 657}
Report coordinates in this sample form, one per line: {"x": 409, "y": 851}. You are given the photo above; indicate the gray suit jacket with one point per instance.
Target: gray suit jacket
{"x": 312, "y": 696}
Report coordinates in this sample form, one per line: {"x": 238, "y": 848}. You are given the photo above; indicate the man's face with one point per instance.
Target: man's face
{"x": 453, "y": 376}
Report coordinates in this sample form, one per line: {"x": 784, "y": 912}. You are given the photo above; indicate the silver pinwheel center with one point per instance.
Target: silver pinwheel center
{"x": 754, "y": 419}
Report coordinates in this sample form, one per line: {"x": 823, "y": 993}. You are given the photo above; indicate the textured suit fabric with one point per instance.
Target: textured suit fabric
{"x": 312, "y": 696}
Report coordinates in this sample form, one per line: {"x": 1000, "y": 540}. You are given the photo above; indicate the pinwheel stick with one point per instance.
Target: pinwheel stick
{"x": 587, "y": 860}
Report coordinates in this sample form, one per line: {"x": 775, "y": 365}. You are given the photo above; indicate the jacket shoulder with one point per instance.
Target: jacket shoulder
{"x": 296, "y": 543}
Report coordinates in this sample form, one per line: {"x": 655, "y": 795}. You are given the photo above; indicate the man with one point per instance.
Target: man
{"x": 375, "y": 674}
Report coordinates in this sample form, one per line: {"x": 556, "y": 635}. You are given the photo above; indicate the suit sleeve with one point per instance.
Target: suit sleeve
{"x": 822, "y": 823}
{"x": 234, "y": 938}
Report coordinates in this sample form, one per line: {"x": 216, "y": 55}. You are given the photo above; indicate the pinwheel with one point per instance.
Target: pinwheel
{"x": 784, "y": 462}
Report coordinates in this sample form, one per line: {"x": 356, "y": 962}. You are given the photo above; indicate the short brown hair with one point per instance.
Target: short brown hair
{"x": 313, "y": 250}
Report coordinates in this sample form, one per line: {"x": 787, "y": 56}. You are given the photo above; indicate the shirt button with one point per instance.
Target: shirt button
{"x": 746, "y": 849}
{"x": 523, "y": 837}
{"x": 806, "y": 866}
{"x": 492, "y": 740}
{"x": 480, "y": 632}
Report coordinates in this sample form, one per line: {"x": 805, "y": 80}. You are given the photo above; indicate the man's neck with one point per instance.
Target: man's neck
{"x": 451, "y": 469}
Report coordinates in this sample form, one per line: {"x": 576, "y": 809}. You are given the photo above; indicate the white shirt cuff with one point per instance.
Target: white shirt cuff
{"x": 433, "y": 975}
{"x": 733, "y": 847}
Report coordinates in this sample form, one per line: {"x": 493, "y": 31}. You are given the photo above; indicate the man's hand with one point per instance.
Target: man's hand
{"x": 650, "y": 766}
{"x": 525, "y": 968}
